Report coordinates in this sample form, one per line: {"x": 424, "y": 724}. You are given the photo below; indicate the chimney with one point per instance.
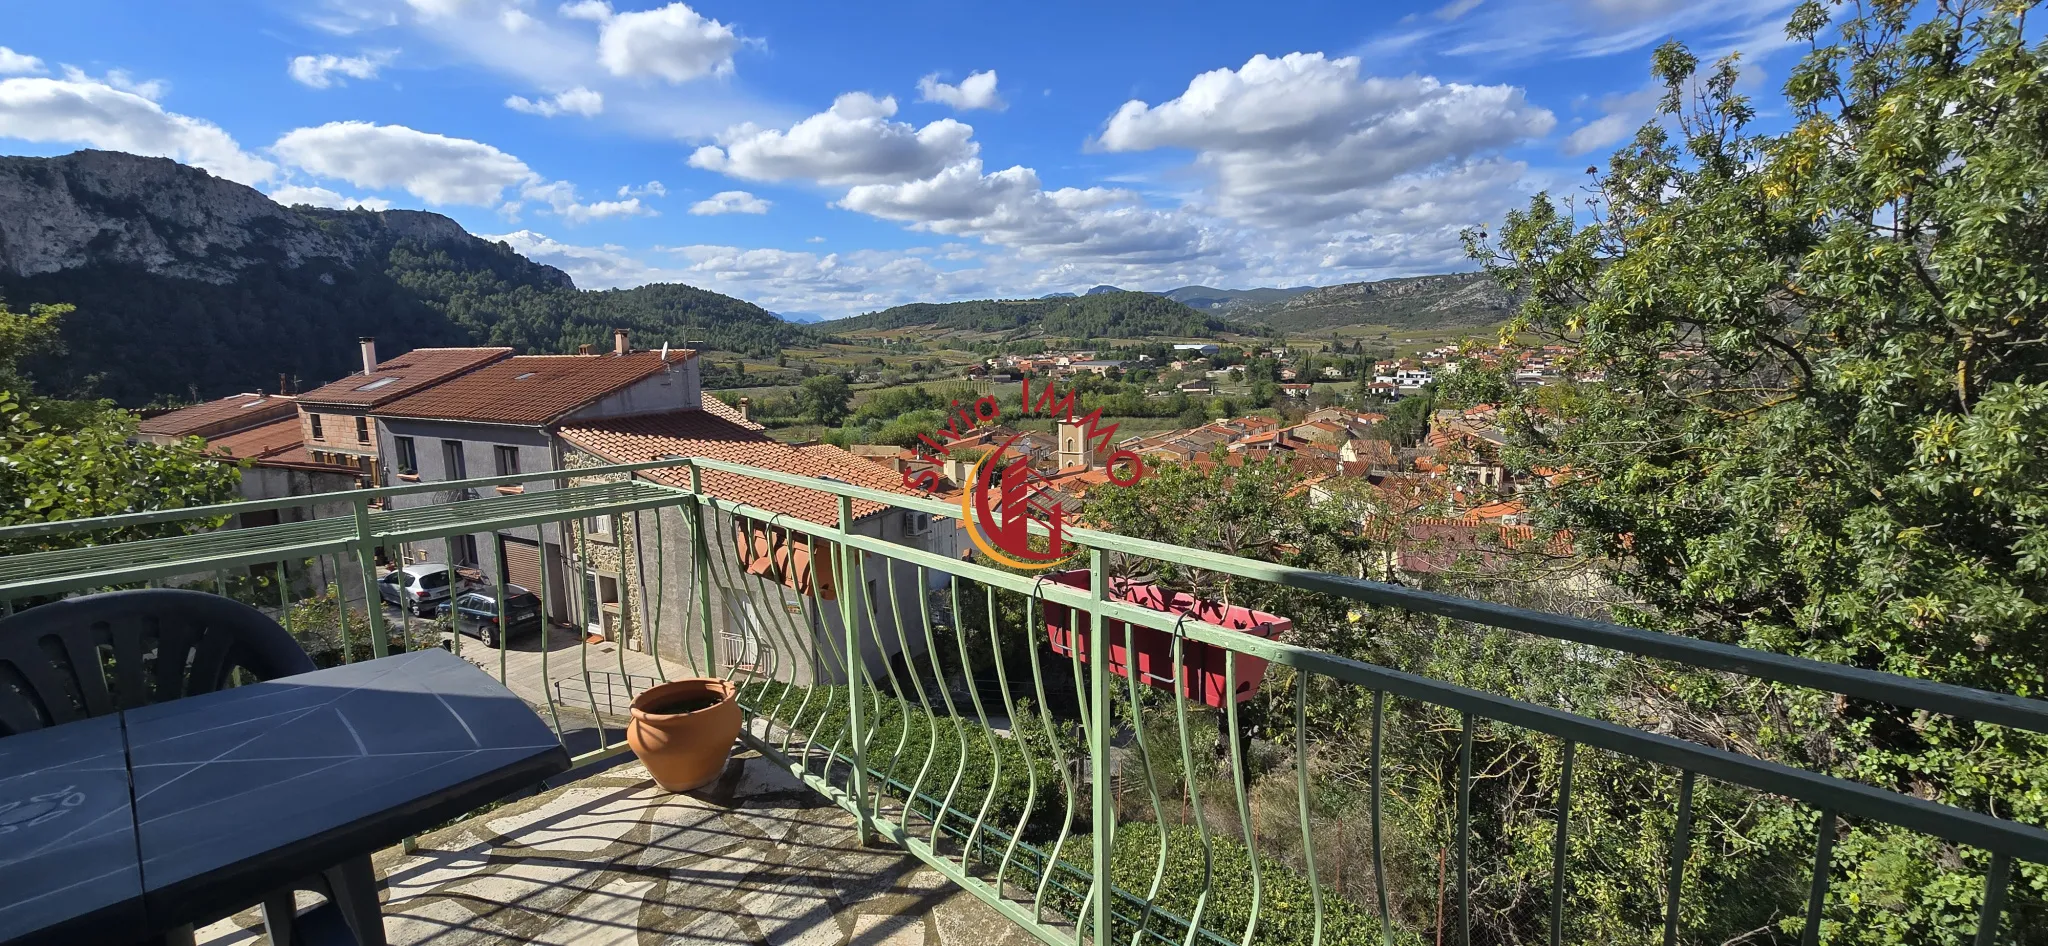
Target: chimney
{"x": 369, "y": 354}
{"x": 619, "y": 346}
{"x": 280, "y": 384}
{"x": 745, "y": 402}
{"x": 583, "y": 349}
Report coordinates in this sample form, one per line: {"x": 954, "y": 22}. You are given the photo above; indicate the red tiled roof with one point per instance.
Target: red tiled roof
{"x": 406, "y": 374}
{"x": 711, "y": 435}
{"x": 228, "y": 413}
{"x": 260, "y": 442}
{"x": 532, "y": 389}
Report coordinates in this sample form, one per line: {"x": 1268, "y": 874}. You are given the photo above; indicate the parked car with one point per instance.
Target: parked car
{"x": 476, "y": 612}
{"x": 419, "y": 587}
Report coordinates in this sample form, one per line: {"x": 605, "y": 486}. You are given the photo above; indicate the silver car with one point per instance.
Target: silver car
{"x": 419, "y": 587}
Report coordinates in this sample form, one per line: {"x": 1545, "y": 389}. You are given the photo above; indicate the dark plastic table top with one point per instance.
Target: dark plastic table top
{"x": 239, "y": 792}
{"x": 67, "y": 835}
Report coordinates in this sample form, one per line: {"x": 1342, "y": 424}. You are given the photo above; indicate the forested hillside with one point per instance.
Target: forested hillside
{"x": 187, "y": 285}
{"x": 1113, "y": 314}
{"x": 1421, "y": 302}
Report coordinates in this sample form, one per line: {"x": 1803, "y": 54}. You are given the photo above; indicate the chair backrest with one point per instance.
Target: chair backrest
{"x": 93, "y": 655}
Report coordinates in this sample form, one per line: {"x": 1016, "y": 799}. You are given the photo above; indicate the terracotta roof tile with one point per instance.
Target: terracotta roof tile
{"x": 403, "y": 375}
{"x": 229, "y": 413}
{"x": 273, "y": 444}
{"x": 711, "y": 435}
{"x": 531, "y": 389}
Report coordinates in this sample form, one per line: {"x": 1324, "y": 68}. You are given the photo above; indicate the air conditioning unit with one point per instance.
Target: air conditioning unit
{"x": 917, "y": 523}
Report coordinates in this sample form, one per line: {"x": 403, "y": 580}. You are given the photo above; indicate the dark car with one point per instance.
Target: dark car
{"x": 476, "y": 613}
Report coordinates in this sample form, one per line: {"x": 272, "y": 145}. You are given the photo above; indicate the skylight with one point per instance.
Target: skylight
{"x": 255, "y": 403}
{"x": 374, "y": 385}
{"x": 524, "y": 376}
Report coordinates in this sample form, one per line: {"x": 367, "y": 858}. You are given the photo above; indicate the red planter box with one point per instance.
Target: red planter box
{"x": 1204, "y": 668}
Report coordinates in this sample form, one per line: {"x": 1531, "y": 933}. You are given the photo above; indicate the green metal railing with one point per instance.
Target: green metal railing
{"x": 922, "y": 692}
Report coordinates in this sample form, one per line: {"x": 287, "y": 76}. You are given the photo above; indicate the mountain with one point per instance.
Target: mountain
{"x": 1224, "y": 300}
{"x": 1101, "y": 290}
{"x": 1456, "y": 299}
{"x": 1095, "y": 315}
{"x": 187, "y": 285}
{"x": 1057, "y": 295}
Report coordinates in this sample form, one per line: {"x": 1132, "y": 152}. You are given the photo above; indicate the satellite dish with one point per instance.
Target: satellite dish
{"x": 664, "y": 353}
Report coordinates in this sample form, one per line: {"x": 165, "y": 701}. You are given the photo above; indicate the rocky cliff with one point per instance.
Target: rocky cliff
{"x": 105, "y": 208}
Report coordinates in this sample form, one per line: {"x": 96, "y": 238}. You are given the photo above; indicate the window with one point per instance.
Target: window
{"x": 362, "y": 430}
{"x": 318, "y": 434}
{"x": 465, "y": 550}
{"x": 452, "y": 465}
{"x": 599, "y": 528}
{"x": 408, "y": 459}
{"x": 374, "y": 385}
{"x": 508, "y": 460}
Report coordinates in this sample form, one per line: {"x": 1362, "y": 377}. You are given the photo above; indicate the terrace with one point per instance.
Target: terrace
{"x": 940, "y": 758}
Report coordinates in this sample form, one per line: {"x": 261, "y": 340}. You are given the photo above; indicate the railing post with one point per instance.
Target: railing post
{"x": 850, "y": 619}
{"x": 1097, "y": 719}
{"x": 372, "y": 601}
{"x": 703, "y": 557}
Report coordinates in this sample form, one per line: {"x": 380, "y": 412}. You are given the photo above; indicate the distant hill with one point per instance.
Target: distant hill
{"x": 1099, "y": 290}
{"x": 1225, "y": 300}
{"x": 1458, "y": 299}
{"x": 190, "y": 285}
{"x": 1114, "y": 314}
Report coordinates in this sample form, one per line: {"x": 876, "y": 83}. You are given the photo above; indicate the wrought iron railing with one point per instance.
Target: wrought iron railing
{"x": 983, "y": 719}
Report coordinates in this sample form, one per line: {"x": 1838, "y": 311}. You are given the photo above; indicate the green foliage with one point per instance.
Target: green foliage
{"x": 1104, "y": 315}
{"x": 1823, "y": 416}
{"x": 73, "y": 460}
{"x": 139, "y": 337}
{"x": 824, "y": 398}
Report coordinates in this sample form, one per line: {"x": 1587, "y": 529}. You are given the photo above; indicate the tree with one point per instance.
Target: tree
{"x": 824, "y": 399}
{"x": 73, "y": 460}
{"x": 1823, "y": 424}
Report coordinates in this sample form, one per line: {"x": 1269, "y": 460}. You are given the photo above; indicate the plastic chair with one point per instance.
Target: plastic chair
{"x": 99, "y": 654}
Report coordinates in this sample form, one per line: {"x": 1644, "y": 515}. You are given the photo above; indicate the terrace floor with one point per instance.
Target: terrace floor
{"x": 754, "y": 858}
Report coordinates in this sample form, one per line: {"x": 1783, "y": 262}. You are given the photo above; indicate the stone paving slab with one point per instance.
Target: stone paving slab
{"x": 755, "y": 858}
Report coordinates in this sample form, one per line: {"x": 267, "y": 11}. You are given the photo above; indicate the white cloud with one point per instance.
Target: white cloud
{"x": 320, "y": 71}
{"x": 730, "y": 202}
{"x": 322, "y": 197}
{"x": 1622, "y": 115}
{"x": 853, "y": 142}
{"x": 435, "y": 168}
{"x": 151, "y": 89}
{"x": 97, "y": 114}
{"x": 978, "y": 90}
{"x": 649, "y": 189}
{"x": 1304, "y": 138}
{"x": 815, "y": 239}
{"x": 672, "y": 42}
{"x": 1455, "y": 9}
{"x": 576, "y": 101}
{"x": 1011, "y": 208}
{"x": 560, "y": 196}
{"x": 594, "y": 10}
{"x": 14, "y": 63}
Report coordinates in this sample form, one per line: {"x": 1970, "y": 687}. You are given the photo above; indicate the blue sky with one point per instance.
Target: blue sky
{"x": 829, "y": 159}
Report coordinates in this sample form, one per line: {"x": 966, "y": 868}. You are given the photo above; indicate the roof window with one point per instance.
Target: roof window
{"x": 374, "y": 385}
{"x": 524, "y": 376}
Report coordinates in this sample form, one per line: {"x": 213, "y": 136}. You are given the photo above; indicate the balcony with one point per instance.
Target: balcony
{"x": 934, "y": 752}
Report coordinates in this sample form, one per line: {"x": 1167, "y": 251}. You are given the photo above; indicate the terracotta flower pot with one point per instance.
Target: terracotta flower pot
{"x": 684, "y": 729}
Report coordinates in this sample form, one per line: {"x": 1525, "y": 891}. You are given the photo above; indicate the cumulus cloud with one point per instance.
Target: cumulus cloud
{"x": 853, "y": 142}
{"x": 594, "y": 10}
{"x": 322, "y": 71}
{"x": 435, "y": 168}
{"x": 13, "y": 63}
{"x": 1304, "y": 138}
{"x": 730, "y": 202}
{"x": 1011, "y": 208}
{"x": 649, "y": 189}
{"x": 100, "y": 115}
{"x": 576, "y": 101}
{"x": 674, "y": 42}
{"x": 978, "y": 90}
{"x": 291, "y": 194}
{"x": 560, "y": 197}
{"x": 151, "y": 89}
